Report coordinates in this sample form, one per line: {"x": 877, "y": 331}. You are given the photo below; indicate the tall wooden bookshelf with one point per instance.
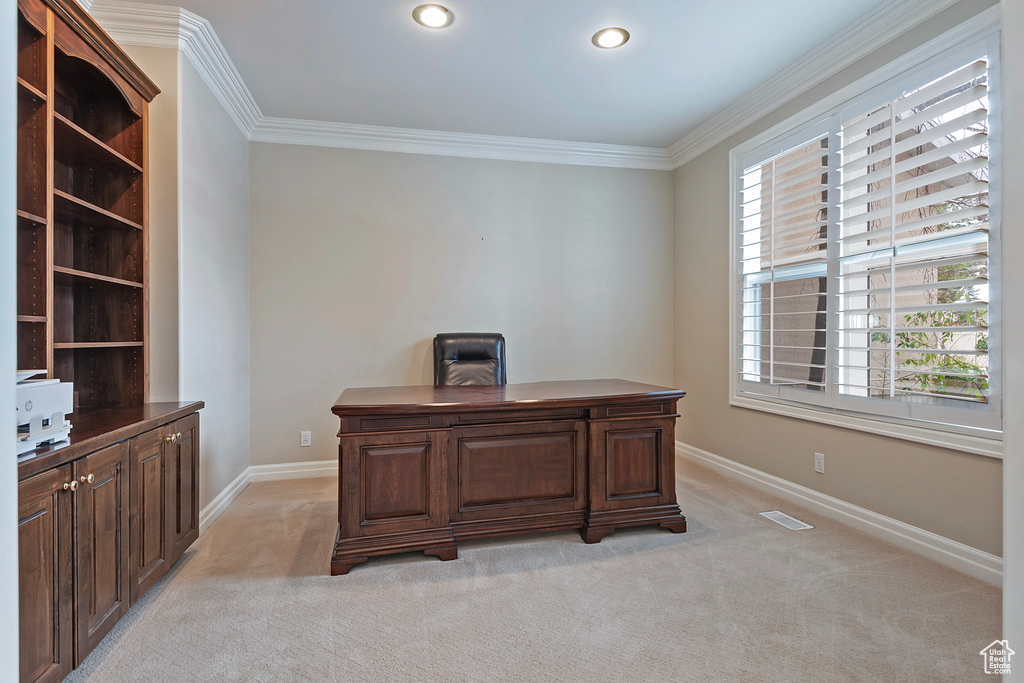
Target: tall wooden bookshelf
{"x": 82, "y": 206}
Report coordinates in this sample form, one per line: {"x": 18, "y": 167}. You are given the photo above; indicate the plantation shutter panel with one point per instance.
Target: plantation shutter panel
{"x": 914, "y": 245}
{"x": 783, "y": 244}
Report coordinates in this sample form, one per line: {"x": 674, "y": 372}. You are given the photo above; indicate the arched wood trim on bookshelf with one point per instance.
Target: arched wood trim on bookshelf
{"x": 97, "y": 39}
{"x": 72, "y": 45}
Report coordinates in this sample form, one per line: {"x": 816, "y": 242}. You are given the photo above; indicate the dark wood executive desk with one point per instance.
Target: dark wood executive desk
{"x": 424, "y": 467}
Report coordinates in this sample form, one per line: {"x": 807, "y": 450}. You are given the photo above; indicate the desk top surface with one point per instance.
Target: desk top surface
{"x": 569, "y": 393}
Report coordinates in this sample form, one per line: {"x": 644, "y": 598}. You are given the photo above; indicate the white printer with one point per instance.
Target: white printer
{"x": 42, "y": 409}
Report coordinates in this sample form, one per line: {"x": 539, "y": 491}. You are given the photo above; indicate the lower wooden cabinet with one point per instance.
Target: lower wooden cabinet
{"x": 95, "y": 534}
{"x": 44, "y": 557}
{"x": 182, "y": 443}
{"x": 164, "y": 500}
{"x": 150, "y": 551}
{"x": 100, "y": 545}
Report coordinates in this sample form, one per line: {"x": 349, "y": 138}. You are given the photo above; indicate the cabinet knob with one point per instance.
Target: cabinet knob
{"x": 71, "y": 486}
{"x": 178, "y": 435}
{"x": 172, "y": 438}
{"x": 90, "y": 479}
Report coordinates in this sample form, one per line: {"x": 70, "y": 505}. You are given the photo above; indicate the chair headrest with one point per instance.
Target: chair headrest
{"x": 469, "y": 346}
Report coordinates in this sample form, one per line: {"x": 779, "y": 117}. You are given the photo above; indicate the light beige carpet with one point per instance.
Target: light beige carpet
{"x": 737, "y": 598}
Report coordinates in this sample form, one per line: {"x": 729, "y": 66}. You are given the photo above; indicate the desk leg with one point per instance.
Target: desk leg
{"x": 349, "y": 552}
{"x": 675, "y": 526}
{"x": 592, "y": 535}
{"x": 444, "y": 554}
{"x": 342, "y": 567}
{"x": 600, "y": 523}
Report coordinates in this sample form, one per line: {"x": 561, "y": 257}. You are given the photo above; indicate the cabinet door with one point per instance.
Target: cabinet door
{"x": 150, "y": 550}
{"x": 182, "y": 484}
{"x": 632, "y": 464}
{"x": 101, "y": 549}
{"x": 392, "y": 483}
{"x": 44, "y": 570}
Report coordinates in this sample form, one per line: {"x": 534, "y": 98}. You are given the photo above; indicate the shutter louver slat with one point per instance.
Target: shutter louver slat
{"x": 930, "y": 134}
{"x": 950, "y": 82}
{"x": 920, "y": 224}
{"x": 808, "y": 229}
{"x": 920, "y": 181}
{"x": 901, "y": 289}
{"x": 966, "y": 190}
{"x": 969, "y": 73}
{"x": 947, "y": 149}
{"x": 801, "y": 178}
{"x": 943, "y": 107}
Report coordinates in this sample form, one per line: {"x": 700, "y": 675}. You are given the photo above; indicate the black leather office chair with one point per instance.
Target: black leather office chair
{"x": 469, "y": 358}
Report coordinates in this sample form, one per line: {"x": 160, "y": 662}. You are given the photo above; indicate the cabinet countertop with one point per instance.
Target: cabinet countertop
{"x": 96, "y": 428}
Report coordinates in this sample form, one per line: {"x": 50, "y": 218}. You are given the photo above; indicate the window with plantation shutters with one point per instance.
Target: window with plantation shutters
{"x": 913, "y": 244}
{"x": 784, "y": 253}
{"x": 866, "y": 253}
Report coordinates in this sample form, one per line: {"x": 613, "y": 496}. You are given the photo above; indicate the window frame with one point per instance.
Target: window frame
{"x": 934, "y": 424}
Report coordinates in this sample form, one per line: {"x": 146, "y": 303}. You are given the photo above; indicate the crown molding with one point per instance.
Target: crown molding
{"x": 416, "y": 141}
{"x": 866, "y": 34}
{"x": 132, "y": 23}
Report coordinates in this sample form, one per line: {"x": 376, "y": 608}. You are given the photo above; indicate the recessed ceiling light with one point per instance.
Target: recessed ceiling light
{"x": 611, "y": 37}
{"x": 433, "y": 16}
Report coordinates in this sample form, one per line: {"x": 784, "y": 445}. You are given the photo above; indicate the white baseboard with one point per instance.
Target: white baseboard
{"x": 294, "y": 470}
{"x": 291, "y": 470}
{"x": 964, "y": 558}
{"x": 223, "y": 499}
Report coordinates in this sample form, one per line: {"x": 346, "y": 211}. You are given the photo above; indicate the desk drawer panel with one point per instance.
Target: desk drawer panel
{"x": 633, "y": 410}
{"x": 507, "y": 416}
{"x": 520, "y": 466}
{"x": 390, "y": 424}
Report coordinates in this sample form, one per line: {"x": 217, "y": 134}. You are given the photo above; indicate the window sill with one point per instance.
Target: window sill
{"x": 978, "y": 445}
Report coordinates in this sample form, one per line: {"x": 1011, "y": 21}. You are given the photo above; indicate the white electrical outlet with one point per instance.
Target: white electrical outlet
{"x": 305, "y": 439}
{"x": 819, "y": 463}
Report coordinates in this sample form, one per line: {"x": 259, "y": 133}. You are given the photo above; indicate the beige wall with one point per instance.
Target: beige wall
{"x": 949, "y": 493}
{"x": 162, "y": 66}
{"x": 359, "y": 258}
{"x": 214, "y": 281}
{"x": 1013, "y": 307}
{"x": 199, "y": 262}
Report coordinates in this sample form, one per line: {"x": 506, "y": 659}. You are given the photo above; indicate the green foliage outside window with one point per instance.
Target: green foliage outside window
{"x": 938, "y": 372}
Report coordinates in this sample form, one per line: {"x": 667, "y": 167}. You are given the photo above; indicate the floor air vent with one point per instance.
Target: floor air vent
{"x": 786, "y": 521}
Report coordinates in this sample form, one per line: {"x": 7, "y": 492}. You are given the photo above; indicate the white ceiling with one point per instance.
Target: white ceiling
{"x": 522, "y": 68}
